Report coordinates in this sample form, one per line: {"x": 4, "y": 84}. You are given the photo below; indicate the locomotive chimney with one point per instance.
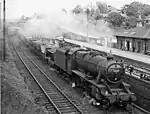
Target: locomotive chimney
{"x": 110, "y": 56}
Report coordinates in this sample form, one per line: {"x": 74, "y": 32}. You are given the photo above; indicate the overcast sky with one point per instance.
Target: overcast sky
{"x": 16, "y": 8}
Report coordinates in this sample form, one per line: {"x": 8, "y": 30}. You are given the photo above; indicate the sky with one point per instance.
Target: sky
{"x": 16, "y": 8}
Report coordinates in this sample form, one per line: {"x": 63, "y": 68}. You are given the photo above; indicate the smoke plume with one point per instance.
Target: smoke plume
{"x": 56, "y": 23}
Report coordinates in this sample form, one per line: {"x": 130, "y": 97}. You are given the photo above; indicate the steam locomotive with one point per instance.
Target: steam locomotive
{"x": 97, "y": 74}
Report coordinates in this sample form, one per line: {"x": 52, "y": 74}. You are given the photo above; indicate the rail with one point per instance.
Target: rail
{"x": 141, "y": 109}
{"x": 138, "y": 72}
{"x": 58, "y": 99}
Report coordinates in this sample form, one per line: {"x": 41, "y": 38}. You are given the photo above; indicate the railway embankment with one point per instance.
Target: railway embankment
{"x": 15, "y": 95}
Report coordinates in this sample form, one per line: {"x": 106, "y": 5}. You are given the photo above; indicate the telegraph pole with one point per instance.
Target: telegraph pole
{"x": 4, "y": 48}
{"x": 87, "y": 21}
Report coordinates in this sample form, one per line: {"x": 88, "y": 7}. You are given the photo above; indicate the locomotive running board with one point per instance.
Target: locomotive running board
{"x": 91, "y": 81}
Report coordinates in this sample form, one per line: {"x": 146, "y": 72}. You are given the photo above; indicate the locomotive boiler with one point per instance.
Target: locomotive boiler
{"x": 99, "y": 65}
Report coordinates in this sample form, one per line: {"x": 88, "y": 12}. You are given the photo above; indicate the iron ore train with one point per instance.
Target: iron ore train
{"x": 97, "y": 74}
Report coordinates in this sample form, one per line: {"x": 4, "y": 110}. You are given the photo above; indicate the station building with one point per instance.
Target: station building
{"x": 136, "y": 39}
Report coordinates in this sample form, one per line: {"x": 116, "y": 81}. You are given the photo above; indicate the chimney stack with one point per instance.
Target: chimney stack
{"x": 139, "y": 23}
{"x": 0, "y": 17}
{"x": 147, "y": 22}
{"x": 147, "y": 26}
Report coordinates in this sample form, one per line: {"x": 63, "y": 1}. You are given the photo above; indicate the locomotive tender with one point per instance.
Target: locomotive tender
{"x": 97, "y": 74}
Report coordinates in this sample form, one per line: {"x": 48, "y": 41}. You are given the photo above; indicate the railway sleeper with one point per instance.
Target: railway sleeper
{"x": 54, "y": 94}
{"x": 69, "y": 112}
{"x": 64, "y": 106}
{"x": 52, "y": 91}
{"x": 56, "y": 99}
{"x": 60, "y": 97}
{"x": 70, "y": 106}
{"x": 49, "y": 106}
{"x": 67, "y": 108}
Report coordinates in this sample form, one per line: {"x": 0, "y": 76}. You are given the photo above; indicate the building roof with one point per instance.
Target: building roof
{"x": 138, "y": 32}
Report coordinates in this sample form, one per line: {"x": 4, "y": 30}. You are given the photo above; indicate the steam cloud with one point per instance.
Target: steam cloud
{"x": 53, "y": 24}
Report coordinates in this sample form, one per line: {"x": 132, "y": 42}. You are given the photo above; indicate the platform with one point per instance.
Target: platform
{"x": 130, "y": 55}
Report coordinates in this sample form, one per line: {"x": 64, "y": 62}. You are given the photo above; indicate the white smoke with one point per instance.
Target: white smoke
{"x": 50, "y": 25}
{"x": 44, "y": 25}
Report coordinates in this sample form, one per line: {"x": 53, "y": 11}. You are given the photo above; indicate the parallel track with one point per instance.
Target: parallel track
{"x": 137, "y": 70}
{"x": 140, "y": 109}
{"x": 59, "y": 103}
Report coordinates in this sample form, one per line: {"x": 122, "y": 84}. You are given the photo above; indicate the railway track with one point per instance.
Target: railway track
{"x": 57, "y": 102}
{"x": 139, "y": 69}
{"x": 142, "y": 69}
{"x": 142, "y": 111}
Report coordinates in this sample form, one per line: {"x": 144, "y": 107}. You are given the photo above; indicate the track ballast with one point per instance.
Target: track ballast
{"x": 59, "y": 103}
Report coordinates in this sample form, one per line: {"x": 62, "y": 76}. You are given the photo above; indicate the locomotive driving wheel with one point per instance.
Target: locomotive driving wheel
{"x": 122, "y": 104}
{"x": 106, "y": 104}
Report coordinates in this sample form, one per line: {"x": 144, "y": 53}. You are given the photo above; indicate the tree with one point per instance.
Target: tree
{"x": 64, "y": 10}
{"x": 95, "y": 13}
{"x": 115, "y": 19}
{"x": 23, "y": 17}
{"x": 102, "y": 7}
{"x": 78, "y": 9}
{"x": 98, "y": 15}
{"x": 88, "y": 12}
{"x": 92, "y": 12}
{"x": 130, "y": 10}
{"x": 137, "y": 5}
{"x": 146, "y": 10}
{"x": 130, "y": 22}
{"x": 136, "y": 8}
{"x": 134, "y": 11}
